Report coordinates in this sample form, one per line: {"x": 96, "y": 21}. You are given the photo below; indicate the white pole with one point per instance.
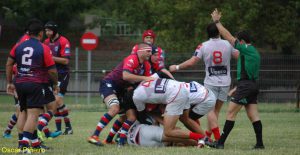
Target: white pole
{"x": 76, "y": 74}
{"x": 89, "y": 76}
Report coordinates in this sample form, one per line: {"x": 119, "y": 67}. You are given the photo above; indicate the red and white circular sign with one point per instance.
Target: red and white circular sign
{"x": 89, "y": 41}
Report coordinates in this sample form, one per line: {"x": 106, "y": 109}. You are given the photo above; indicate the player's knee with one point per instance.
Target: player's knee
{"x": 131, "y": 115}
{"x": 114, "y": 109}
{"x": 253, "y": 117}
{"x": 52, "y": 107}
{"x": 230, "y": 115}
{"x": 167, "y": 132}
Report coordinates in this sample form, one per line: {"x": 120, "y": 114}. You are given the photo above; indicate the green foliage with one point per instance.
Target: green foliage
{"x": 180, "y": 24}
{"x": 62, "y": 11}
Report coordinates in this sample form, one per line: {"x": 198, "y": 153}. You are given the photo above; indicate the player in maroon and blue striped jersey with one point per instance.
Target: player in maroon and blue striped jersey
{"x": 13, "y": 120}
{"x": 149, "y": 38}
{"x": 60, "y": 47}
{"x": 133, "y": 69}
{"x": 35, "y": 66}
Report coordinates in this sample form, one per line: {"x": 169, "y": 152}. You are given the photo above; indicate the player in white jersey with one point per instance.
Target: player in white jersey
{"x": 201, "y": 101}
{"x": 175, "y": 96}
{"x": 216, "y": 54}
{"x": 152, "y": 136}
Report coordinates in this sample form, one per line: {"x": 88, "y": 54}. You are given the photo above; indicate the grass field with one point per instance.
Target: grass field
{"x": 281, "y": 132}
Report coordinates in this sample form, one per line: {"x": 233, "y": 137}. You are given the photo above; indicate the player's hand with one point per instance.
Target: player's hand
{"x": 172, "y": 68}
{"x": 10, "y": 89}
{"x": 232, "y": 92}
{"x": 216, "y": 15}
{"x": 149, "y": 78}
{"x": 56, "y": 89}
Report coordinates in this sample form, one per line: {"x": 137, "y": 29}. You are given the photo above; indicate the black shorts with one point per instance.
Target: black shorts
{"x": 49, "y": 96}
{"x": 30, "y": 95}
{"x": 246, "y": 92}
{"x": 63, "y": 81}
{"x": 16, "y": 101}
{"x": 126, "y": 101}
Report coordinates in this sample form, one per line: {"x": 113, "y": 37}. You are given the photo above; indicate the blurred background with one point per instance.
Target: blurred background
{"x": 180, "y": 25}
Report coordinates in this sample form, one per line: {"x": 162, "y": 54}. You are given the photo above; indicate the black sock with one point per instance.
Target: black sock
{"x": 257, "y": 126}
{"x": 226, "y": 130}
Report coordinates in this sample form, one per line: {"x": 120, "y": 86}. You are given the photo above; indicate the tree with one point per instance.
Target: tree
{"x": 180, "y": 24}
{"x": 15, "y": 13}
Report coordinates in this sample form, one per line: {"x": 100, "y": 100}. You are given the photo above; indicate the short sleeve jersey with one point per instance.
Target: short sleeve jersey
{"x": 130, "y": 64}
{"x": 24, "y": 38}
{"x": 33, "y": 60}
{"x": 216, "y": 54}
{"x": 133, "y": 133}
{"x": 248, "y": 61}
{"x": 155, "y": 92}
{"x": 60, "y": 48}
{"x": 160, "y": 64}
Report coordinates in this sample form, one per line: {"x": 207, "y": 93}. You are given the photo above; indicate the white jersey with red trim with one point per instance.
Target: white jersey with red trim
{"x": 159, "y": 91}
{"x": 132, "y": 133}
{"x": 216, "y": 54}
{"x": 145, "y": 135}
{"x": 198, "y": 93}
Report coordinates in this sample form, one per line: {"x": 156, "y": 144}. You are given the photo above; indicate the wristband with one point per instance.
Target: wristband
{"x": 217, "y": 21}
{"x": 177, "y": 67}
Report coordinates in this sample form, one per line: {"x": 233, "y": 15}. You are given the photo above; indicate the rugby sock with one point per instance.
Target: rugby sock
{"x": 105, "y": 119}
{"x": 25, "y": 140}
{"x": 67, "y": 122}
{"x": 258, "y": 132}
{"x": 117, "y": 125}
{"x": 208, "y": 133}
{"x": 58, "y": 118}
{"x": 20, "y": 135}
{"x": 65, "y": 113}
{"x": 216, "y": 132}
{"x": 196, "y": 136}
{"x": 226, "y": 130}
{"x": 35, "y": 141}
{"x": 46, "y": 132}
{"x": 124, "y": 130}
{"x": 12, "y": 122}
{"x": 44, "y": 120}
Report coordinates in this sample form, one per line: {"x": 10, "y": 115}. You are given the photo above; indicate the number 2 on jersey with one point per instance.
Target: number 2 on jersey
{"x": 217, "y": 57}
{"x": 26, "y": 57}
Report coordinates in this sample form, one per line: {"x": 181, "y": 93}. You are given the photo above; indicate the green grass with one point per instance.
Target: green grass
{"x": 281, "y": 132}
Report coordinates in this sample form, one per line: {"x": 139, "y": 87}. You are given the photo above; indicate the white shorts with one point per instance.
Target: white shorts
{"x": 177, "y": 101}
{"x": 219, "y": 91}
{"x": 150, "y": 136}
{"x": 208, "y": 104}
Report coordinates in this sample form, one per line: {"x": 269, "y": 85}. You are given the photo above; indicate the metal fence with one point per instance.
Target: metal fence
{"x": 279, "y": 78}
{"x": 276, "y": 86}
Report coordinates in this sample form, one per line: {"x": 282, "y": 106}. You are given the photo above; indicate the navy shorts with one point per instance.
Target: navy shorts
{"x": 30, "y": 95}
{"x": 246, "y": 92}
{"x": 63, "y": 81}
{"x": 108, "y": 87}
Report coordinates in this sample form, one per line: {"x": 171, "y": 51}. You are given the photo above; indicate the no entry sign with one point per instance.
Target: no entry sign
{"x": 89, "y": 41}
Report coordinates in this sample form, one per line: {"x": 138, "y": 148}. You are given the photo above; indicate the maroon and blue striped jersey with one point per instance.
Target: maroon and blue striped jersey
{"x": 33, "y": 60}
